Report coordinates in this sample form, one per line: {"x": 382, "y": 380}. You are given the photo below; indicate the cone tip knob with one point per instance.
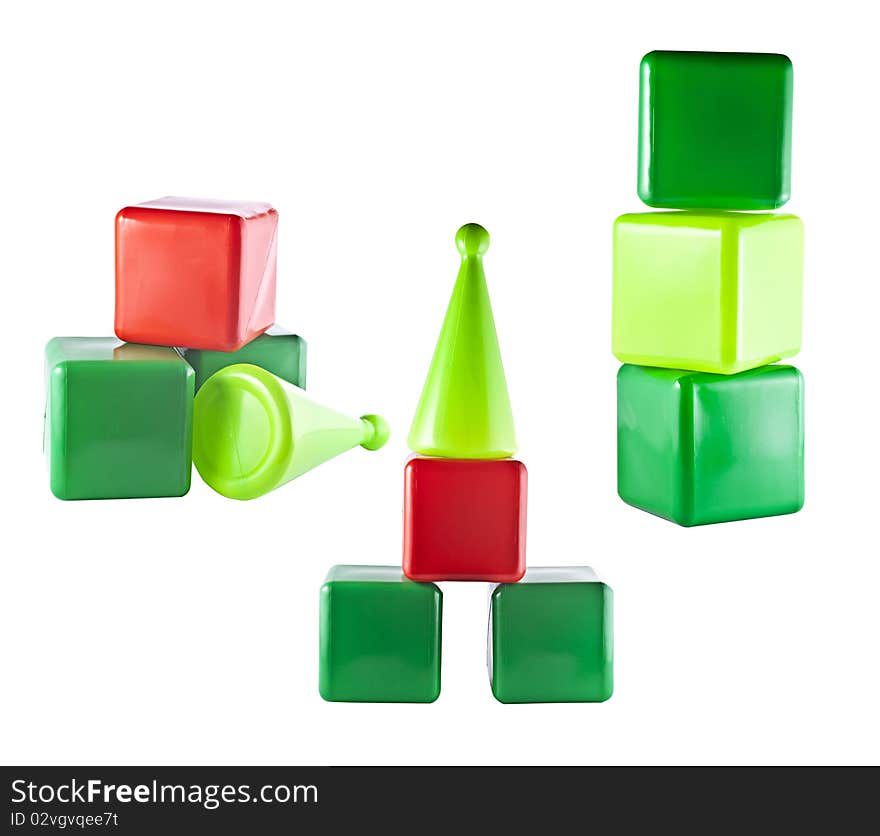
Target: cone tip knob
{"x": 378, "y": 433}
{"x": 472, "y": 239}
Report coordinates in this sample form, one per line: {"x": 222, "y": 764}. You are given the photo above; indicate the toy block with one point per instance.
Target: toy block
{"x": 380, "y": 636}
{"x": 551, "y": 637}
{"x": 715, "y": 130}
{"x": 253, "y": 432}
{"x": 195, "y": 273}
{"x": 710, "y": 291}
{"x": 277, "y": 351}
{"x": 464, "y": 410}
{"x": 464, "y": 520}
{"x": 699, "y": 448}
{"x": 118, "y": 420}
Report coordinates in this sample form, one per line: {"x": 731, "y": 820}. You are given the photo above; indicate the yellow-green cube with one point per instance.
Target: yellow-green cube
{"x": 707, "y": 291}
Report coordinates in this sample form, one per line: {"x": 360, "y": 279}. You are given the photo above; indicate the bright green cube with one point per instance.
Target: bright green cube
{"x": 716, "y": 292}
{"x": 700, "y": 448}
{"x": 118, "y": 420}
{"x": 277, "y": 351}
{"x": 551, "y": 637}
{"x": 380, "y": 636}
{"x": 715, "y": 130}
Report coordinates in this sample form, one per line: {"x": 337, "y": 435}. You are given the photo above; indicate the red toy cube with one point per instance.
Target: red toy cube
{"x": 464, "y": 520}
{"x": 195, "y": 273}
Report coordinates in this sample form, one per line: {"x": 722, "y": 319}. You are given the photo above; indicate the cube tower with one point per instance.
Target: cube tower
{"x": 707, "y": 296}
{"x": 195, "y": 292}
{"x": 465, "y": 520}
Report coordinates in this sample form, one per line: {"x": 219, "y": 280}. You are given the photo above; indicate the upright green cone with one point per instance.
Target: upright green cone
{"x": 464, "y": 411}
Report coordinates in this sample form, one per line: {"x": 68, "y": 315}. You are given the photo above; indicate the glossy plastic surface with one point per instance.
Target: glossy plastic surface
{"x": 464, "y": 520}
{"x": 277, "y": 351}
{"x": 700, "y": 448}
{"x": 707, "y": 291}
{"x": 715, "y": 130}
{"x": 464, "y": 411}
{"x": 195, "y": 273}
{"x": 118, "y": 421}
{"x": 254, "y": 432}
{"x": 380, "y": 636}
{"x": 551, "y": 638}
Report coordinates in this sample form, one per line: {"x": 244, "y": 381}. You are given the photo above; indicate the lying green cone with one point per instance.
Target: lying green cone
{"x": 253, "y": 432}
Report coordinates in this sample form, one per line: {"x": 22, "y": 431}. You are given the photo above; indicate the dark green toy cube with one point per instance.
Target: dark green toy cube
{"x": 277, "y": 351}
{"x": 701, "y": 448}
{"x": 118, "y": 420}
{"x": 380, "y": 636}
{"x": 715, "y": 130}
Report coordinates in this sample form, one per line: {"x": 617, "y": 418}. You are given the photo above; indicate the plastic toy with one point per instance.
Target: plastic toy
{"x": 253, "y": 432}
{"x": 277, "y": 351}
{"x": 701, "y": 448}
{"x": 464, "y": 411}
{"x": 118, "y": 421}
{"x": 197, "y": 278}
{"x": 465, "y": 513}
{"x": 464, "y": 520}
{"x": 715, "y": 130}
{"x": 380, "y": 636}
{"x": 195, "y": 273}
{"x": 709, "y": 291}
{"x": 551, "y": 638}
{"x": 704, "y": 300}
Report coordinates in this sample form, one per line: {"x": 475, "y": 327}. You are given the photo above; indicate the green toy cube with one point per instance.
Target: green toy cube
{"x": 276, "y": 350}
{"x": 118, "y": 420}
{"x": 700, "y": 448}
{"x": 551, "y": 637}
{"x": 380, "y": 636}
{"x": 716, "y": 292}
{"x": 715, "y": 130}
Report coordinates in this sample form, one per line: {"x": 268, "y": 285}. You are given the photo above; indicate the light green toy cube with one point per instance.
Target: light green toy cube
{"x": 707, "y": 291}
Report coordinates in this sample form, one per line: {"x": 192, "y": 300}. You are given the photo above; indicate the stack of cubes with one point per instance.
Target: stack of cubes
{"x": 708, "y": 297}
{"x": 465, "y": 520}
{"x": 195, "y": 292}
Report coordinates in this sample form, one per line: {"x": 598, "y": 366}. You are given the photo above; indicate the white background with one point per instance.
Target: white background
{"x": 185, "y": 630}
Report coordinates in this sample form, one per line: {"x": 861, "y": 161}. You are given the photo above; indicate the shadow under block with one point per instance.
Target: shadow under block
{"x": 700, "y": 448}
{"x": 118, "y": 420}
{"x": 715, "y": 130}
{"x": 277, "y": 351}
{"x": 195, "y": 273}
{"x": 464, "y": 520}
{"x": 551, "y": 638}
{"x": 709, "y": 291}
{"x": 380, "y": 636}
